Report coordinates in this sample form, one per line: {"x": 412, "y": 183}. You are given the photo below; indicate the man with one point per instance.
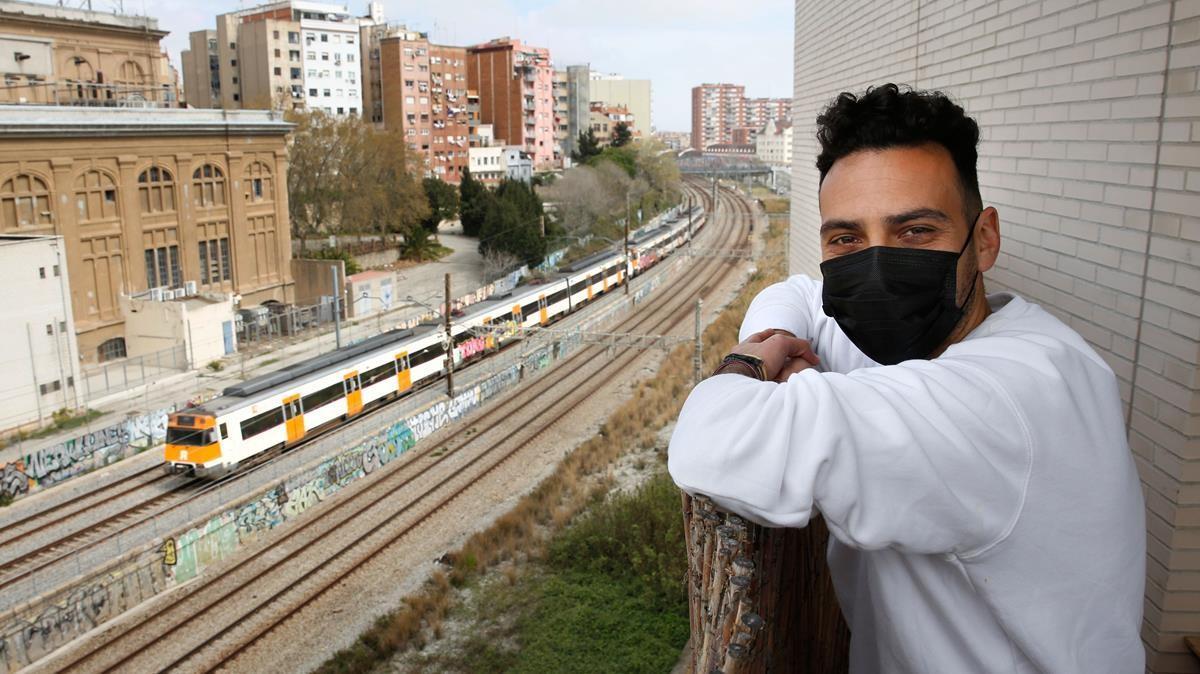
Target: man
{"x": 967, "y": 451}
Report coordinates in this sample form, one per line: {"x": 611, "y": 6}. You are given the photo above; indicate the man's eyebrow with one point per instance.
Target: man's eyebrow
{"x": 917, "y": 214}
{"x": 850, "y": 225}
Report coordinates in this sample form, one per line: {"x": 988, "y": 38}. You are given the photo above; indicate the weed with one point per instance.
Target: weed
{"x": 215, "y": 365}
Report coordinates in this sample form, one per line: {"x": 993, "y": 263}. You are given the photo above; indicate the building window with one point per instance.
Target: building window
{"x": 259, "y": 183}
{"x": 156, "y": 190}
{"x": 237, "y": 97}
{"x": 326, "y": 93}
{"x": 235, "y": 80}
{"x": 296, "y": 73}
{"x": 111, "y": 349}
{"x": 278, "y": 53}
{"x": 341, "y": 111}
{"x": 275, "y": 34}
{"x": 233, "y": 62}
{"x": 208, "y": 187}
{"x": 95, "y": 197}
{"x": 313, "y": 93}
{"x": 354, "y": 111}
{"x": 214, "y": 260}
{"x": 294, "y": 55}
{"x": 41, "y": 272}
{"x": 324, "y": 56}
{"x": 312, "y": 56}
{"x": 24, "y": 202}
{"x": 49, "y": 328}
{"x": 324, "y": 37}
{"x": 278, "y": 71}
{"x": 162, "y": 267}
{"x": 51, "y": 387}
{"x": 349, "y": 39}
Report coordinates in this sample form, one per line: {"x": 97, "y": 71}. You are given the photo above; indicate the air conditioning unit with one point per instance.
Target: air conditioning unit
{"x": 156, "y": 294}
{"x": 170, "y": 294}
{"x": 189, "y": 288}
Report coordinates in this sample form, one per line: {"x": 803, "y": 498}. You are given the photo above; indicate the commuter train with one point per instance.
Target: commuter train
{"x": 282, "y": 408}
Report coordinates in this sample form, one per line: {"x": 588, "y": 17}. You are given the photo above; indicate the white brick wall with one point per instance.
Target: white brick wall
{"x": 1090, "y": 118}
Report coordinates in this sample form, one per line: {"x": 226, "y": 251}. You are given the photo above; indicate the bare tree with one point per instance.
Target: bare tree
{"x": 498, "y": 262}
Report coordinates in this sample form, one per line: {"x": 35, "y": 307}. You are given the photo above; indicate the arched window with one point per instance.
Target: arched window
{"x": 208, "y": 187}
{"x": 78, "y": 69}
{"x": 111, "y": 349}
{"x": 130, "y": 73}
{"x": 260, "y": 186}
{"x": 95, "y": 197}
{"x": 156, "y": 190}
{"x": 24, "y": 202}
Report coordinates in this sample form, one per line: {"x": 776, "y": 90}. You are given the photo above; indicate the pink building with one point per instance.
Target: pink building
{"x": 515, "y": 84}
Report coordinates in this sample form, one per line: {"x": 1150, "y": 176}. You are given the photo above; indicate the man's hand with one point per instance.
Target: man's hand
{"x": 783, "y": 354}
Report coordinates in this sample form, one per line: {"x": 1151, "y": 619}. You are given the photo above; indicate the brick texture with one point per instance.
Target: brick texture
{"x": 1090, "y": 151}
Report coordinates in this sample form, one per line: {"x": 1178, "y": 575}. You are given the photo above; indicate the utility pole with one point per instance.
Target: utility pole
{"x": 698, "y": 356}
{"x": 337, "y": 308}
{"x": 625, "y": 243}
{"x": 449, "y": 344}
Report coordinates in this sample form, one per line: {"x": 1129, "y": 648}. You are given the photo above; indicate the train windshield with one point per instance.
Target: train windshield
{"x": 191, "y": 437}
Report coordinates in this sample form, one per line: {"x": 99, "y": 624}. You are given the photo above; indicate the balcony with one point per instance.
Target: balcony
{"x": 91, "y": 94}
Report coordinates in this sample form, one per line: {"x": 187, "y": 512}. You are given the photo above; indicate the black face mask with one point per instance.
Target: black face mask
{"x": 895, "y": 304}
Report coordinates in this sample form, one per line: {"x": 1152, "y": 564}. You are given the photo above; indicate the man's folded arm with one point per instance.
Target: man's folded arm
{"x": 787, "y": 305}
{"x": 929, "y": 457}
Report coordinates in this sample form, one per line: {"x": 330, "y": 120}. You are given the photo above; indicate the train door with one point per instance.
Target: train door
{"x": 543, "y": 316}
{"x": 353, "y": 390}
{"x": 403, "y": 372}
{"x": 589, "y": 284}
{"x": 604, "y": 275}
{"x": 293, "y": 418}
{"x": 489, "y": 339}
{"x": 518, "y": 317}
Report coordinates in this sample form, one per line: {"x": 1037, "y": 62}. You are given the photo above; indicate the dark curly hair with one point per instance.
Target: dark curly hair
{"x": 888, "y": 116}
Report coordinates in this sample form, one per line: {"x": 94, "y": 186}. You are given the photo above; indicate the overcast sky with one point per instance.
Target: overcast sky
{"x": 676, "y": 44}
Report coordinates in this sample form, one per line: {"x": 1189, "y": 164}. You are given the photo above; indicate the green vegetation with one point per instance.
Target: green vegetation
{"x": 588, "y": 147}
{"x": 621, "y": 135}
{"x": 215, "y": 365}
{"x": 346, "y": 177}
{"x": 512, "y": 222}
{"x": 443, "y": 203}
{"x": 62, "y": 420}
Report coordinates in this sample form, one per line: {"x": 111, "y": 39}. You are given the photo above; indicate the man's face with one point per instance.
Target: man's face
{"x": 904, "y": 197}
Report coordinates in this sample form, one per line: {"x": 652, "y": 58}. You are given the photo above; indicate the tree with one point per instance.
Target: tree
{"x": 513, "y": 223}
{"x": 588, "y": 147}
{"x": 313, "y": 192}
{"x": 443, "y": 202}
{"x": 622, "y": 136}
{"x": 473, "y": 204}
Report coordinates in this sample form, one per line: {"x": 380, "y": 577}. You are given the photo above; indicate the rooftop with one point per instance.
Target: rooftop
{"x": 62, "y": 121}
{"x": 39, "y": 11}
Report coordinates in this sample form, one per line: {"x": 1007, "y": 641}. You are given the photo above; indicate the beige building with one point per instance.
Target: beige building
{"x": 603, "y": 120}
{"x": 1090, "y": 121}
{"x": 57, "y": 55}
{"x": 633, "y": 95}
{"x": 281, "y": 55}
{"x": 773, "y": 144}
{"x": 149, "y": 199}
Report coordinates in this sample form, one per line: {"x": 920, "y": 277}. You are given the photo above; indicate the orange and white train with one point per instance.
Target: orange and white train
{"x": 282, "y": 408}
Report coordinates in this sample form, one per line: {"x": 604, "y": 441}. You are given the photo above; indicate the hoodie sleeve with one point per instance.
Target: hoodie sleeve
{"x": 925, "y": 456}
{"x": 795, "y": 305}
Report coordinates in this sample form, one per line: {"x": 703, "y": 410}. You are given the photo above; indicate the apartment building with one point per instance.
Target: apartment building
{"x": 722, "y": 115}
{"x": 1089, "y": 118}
{"x": 58, "y": 55}
{"x": 424, "y": 95}
{"x": 717, "y": 109}
{"x": 486, "y": 157}
{"x": 280, "y": 55}
{"x": 515, "y": 86}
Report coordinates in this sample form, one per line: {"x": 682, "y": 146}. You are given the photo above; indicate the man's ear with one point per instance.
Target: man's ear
{"x": 987, "y": 238}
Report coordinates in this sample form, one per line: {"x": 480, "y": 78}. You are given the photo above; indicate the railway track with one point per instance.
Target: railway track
{"x": 298, "y": 566}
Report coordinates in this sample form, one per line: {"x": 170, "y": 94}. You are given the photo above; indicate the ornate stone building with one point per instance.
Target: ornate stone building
{"x": 149, "y": 199}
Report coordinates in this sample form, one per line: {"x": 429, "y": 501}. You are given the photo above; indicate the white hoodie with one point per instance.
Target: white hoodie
{"x": 985, "y": 508}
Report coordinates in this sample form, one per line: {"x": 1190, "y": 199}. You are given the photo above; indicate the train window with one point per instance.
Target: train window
{"x": 378, "y": 374}
{"x": 261, "y": 423}
{"x": 189, "y": 437}
{"x": 351, "y": 383}
{"x": 597, "y": 278}
{"x": 427, "y": 354}
{"x": 224, "y": 431}
{"x": 556, "y": 297}
{"x": 529, "y": 308}
{"x": 323, "y": 397}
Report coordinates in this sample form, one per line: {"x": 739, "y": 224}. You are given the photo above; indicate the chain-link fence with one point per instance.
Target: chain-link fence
{"x": 119, "y": 375}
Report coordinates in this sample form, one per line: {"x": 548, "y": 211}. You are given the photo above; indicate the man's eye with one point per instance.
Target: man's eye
{"x": 844, "y": 240}
{"x": 919, "y": 230}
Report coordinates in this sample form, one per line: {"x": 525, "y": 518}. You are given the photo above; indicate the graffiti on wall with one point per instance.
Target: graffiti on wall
{"x": 86, "y": 452}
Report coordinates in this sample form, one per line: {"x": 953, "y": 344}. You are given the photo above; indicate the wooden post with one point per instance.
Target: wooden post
{"x": 449, "y": 344}
{"x": 760, "y": 600}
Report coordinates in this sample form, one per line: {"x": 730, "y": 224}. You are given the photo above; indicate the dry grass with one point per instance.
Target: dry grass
{"x": 582, "y": 478}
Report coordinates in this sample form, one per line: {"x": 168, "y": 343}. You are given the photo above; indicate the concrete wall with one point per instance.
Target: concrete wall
{"x": 314, "y": 279}
{"x": 1090, "y": 119}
